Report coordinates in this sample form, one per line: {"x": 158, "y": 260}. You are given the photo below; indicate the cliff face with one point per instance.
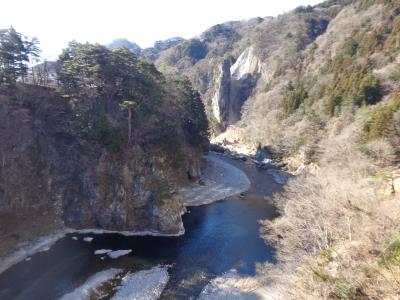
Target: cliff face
{"x": 46, "y": 168}
{"x": 233, "y": 85}
{"x": 260, "y": 52}
{"x": 221, "y": 100}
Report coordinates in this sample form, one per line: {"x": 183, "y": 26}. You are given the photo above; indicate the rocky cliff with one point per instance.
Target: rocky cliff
{"x": 232, "y": 86}
{"x": 47, "y": 167}
{"x": 246, "y": 58}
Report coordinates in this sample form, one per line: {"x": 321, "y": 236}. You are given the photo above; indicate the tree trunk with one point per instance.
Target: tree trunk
{"x": 129, "y": 125}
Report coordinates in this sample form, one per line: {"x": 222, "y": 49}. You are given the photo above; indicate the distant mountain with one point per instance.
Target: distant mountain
{"x": 135, "y": 48}
{"x": 168, "y": 43}
{"x": 150, "y": 53}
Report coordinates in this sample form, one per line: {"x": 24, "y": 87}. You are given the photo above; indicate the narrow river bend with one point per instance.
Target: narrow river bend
{"x": 219, "y": 236}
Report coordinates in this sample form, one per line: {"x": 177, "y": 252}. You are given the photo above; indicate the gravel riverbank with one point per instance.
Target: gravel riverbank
{"x": 220, "y": 180}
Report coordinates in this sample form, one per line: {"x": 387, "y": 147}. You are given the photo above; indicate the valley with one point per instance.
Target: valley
{"x": 259, "y": 159}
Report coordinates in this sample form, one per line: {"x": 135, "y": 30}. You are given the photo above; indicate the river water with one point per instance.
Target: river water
{"x": 219, "y": 236}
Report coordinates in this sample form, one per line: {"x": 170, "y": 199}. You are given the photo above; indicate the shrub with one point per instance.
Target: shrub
{"x": 350, "y": 47}
{"x": 392, "y": 254}
{"x": 381, "y": 151}
{"x": 344, "y": 290}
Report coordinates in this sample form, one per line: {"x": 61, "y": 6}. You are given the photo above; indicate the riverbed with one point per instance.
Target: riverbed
{"x": 219, "y": 237}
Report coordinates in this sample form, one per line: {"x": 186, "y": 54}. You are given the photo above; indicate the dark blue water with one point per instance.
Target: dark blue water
{"x": 219, "y": 237}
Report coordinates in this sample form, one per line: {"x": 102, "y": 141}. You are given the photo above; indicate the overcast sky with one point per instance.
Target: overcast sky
{"x": 56, "y": 22}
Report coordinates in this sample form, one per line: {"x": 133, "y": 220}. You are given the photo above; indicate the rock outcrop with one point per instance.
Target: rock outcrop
{"x": 233, "y": 85}
{"x": 245, "y": 73}
{"x": 246, "y": 64}
{"x": 45, "y": 168}
{"x": 221, "y": 99}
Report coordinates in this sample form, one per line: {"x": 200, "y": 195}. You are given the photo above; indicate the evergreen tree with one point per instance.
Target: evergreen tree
{"x": 129, "y": 105}
{"x": 16, "y": 51}
{"x": 382, "y": 119}
{"x": 196, "y": 124}
{"x": 294, "y": 96}
{"x": 94, "y": 71}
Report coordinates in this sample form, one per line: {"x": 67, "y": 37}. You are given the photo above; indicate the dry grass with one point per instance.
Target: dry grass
{"x": 335, "y": 230}
{"x": 381, "y": 151}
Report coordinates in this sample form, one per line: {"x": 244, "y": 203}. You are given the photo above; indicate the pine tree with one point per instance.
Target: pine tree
{"x": 16, "y": 51}
{"x": 196, "y": 123}
{"x": 129, "y": 105}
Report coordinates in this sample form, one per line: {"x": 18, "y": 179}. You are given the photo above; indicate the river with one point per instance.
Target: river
{"x": 219, "y": 236}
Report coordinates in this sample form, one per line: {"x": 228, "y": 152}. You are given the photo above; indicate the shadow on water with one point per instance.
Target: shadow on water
{"x": 219, "y": 237}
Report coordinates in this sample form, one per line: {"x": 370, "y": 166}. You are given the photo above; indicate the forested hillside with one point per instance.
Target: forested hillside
{"x": 318, "y": 87}
{"x": 108, "y": 148}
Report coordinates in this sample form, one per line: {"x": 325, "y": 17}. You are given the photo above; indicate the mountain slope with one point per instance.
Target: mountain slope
{"x": 318, "y": 87}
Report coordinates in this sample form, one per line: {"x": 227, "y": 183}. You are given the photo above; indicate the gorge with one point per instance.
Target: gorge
{"x": 257, "y": 160}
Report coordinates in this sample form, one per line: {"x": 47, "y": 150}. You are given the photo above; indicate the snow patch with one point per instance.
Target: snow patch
{"x": 118, "y": 253}
{"x": 102, "y": 251}
{"x": 143, "y": 285}
{"x": 74, "y": 238}
{"x": 84, "y": 291}
{"x": 88, "y": 239}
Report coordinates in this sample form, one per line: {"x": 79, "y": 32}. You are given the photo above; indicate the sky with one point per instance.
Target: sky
{"x": 56, "y": 22}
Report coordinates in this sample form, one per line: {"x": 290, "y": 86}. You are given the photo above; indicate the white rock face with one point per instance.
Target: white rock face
{"x": 233, "y": 85}
{"x": 220, "y": 100}
{"x": 247, "y": 63}
{"x": 143, "y": 285}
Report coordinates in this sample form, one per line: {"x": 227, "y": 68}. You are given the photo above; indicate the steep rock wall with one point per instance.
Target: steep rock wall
{"x": 45, "y": 169}
{"x": 233, "y": 86}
